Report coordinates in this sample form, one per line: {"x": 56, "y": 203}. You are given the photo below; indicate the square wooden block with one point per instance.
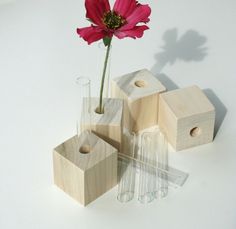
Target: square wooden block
{"x": 187, "y": 117}
{"x": 140, "y": 91}
{"x": 108, "y": 126}
{"x": 85, "y": 171}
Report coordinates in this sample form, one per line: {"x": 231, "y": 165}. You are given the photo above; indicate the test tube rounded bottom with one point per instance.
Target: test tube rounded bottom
{"x": 126, "y": 182}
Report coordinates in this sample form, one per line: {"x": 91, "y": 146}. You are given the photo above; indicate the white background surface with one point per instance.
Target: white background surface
{"x": 40, "y": 57}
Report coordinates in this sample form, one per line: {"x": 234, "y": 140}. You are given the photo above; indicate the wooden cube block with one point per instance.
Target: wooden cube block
{"x": 107, "y": 126}
{"x": 140, "y": 91}
{"x": 187, "y": 117}
{"x": 85, "y": 171}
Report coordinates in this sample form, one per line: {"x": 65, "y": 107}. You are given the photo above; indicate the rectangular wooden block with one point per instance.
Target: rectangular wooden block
{"x": 108, "y": 126}
{"x": 85, "y": 167}
{"x": 187, "y": 117}
{"x": 140, "y": 91}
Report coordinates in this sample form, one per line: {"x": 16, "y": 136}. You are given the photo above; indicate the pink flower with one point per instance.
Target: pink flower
{"x": 123, "y": 21}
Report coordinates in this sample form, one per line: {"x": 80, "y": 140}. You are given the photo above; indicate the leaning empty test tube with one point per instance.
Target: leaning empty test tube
{"x": 84, "y": 110}
{"x": 126, "y": 174}
{"x": 162, "y": 159}
{"x": 147, "y": 174}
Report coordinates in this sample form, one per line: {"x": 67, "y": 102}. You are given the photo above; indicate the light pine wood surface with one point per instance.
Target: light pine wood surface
{"x": 109, "y": 125}
{"x": 140, "y": 91}
{"x": 187, "y": 117}
{"x": 83, "y": 172}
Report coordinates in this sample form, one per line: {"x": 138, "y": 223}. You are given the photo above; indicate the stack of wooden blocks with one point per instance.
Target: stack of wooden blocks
{"x": 139, "y": 101}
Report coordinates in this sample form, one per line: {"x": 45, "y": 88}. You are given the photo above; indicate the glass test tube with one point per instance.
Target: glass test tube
{"x": 83, "y": 124}
{"x": 102, "y": 55}
{"x": 126, "y": 174}
{"x": 162, "y": 159}
{"x": 147, "y": 174}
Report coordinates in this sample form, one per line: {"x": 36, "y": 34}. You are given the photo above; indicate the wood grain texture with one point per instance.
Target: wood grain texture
{"x": 85, "y": 177}
{"x": 187, "y": 117}
{"x": 109, "y": 125}
{"x": 140, "y": 91}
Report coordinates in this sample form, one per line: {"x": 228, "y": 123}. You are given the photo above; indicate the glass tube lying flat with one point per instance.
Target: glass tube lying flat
{"x": 176, "y": 178}
{"x": 126, "y": 175}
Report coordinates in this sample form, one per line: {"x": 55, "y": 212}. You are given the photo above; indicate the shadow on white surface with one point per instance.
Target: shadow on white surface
{"x": 188, "y": 47}
{"x": 220, "y": 108}
{"x": 165, "y": 80}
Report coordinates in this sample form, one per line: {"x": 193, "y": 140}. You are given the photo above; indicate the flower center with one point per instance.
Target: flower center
{"x": 112, "y": 20}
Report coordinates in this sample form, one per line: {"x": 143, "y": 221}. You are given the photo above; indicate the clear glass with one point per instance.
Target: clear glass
{"x": 155, "y": 153}
{"x": 83, "y": 123}
{"x": 126, "y": 174}
{"x": 174, "y": 177}
{"x": 102, "y": 55}
{"x": 162, "y": 160}
{"x": 147, "y": 174}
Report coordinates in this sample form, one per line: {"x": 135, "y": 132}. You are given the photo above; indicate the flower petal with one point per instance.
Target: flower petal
{"x": 136, "y": 32}
{"x": 91, "y": 34}
{"x": 125, "y": 7}
{"x": 96, "y": 9}
{"x": 140, "y": 14}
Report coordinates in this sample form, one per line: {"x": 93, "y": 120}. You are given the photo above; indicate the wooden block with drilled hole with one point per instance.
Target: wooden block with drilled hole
{"x": 108, "y": 126}
{"x": 140, "y": 91}
{"x": 187, "y": 117}
{"x": 85, "y": 167}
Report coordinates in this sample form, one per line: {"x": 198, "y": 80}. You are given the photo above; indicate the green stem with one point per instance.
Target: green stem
{"x": 100, "y": 108}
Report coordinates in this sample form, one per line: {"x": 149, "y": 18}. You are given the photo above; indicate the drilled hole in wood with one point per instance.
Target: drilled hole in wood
{"x": 140, "y": 83}
{"x": 196, "y": 131}
{"x": 85, "y": 149}
{"x": 98, "y": 111}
